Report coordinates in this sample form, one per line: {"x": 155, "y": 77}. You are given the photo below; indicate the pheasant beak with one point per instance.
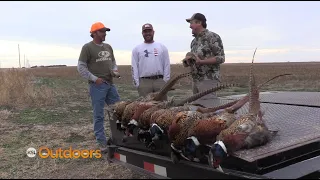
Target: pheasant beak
{"x": 156, "y": 131}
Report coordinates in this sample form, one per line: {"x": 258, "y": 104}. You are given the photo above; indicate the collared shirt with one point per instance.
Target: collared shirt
{"x": 208, "y": 44}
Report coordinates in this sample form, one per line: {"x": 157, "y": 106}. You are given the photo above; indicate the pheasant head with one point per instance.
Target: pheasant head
{"x": 155, "y": 132}
{"x": 162, "y": 119}
{"x": 189, "y": 59}
{"x": 217, "y": 153}
{"x": 221, "y": 149}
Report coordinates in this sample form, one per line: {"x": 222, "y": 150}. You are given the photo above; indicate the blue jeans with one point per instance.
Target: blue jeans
{"x": 101, "y": 94}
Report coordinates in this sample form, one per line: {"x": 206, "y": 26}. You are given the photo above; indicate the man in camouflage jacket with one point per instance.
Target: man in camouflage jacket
{"x": 207, "y": 47}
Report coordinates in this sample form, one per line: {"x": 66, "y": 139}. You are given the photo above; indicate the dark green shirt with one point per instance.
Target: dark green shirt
{"x": 99, "y": 60}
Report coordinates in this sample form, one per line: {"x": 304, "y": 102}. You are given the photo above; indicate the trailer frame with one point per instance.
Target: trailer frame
{"x": 291, "y": 163}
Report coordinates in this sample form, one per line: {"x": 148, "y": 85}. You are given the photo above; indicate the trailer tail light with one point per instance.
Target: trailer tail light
{"x": 160, "y": 170}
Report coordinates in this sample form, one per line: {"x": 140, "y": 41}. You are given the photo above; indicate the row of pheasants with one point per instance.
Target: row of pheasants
{"x": 190, "y": 126}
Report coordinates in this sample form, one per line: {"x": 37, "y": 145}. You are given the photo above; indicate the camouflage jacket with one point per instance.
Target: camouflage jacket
{"x": 206, "y": 45}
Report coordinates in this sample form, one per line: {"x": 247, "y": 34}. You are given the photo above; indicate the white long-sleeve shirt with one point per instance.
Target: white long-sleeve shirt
{"x": 150, "y": 60}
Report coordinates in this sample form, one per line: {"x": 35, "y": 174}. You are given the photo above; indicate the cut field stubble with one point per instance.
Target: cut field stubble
{"x": 55, "y": 110}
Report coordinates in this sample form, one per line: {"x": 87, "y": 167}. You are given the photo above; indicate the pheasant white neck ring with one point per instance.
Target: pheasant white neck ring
{"x": 134, "y": 122}
{"x": 222, "y": 146}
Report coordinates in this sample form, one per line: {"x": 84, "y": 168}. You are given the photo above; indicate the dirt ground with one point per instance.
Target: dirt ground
{"x": 66, "y": 123}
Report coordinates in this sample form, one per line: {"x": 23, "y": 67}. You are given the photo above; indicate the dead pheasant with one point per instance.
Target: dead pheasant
{"x": 159, "y": 122}
{"x": 145, "y": 119}
{"x": 204, "y": 131}
{"x": 119, "y": 107}
{"x": 162, "y": 119}
{"x": 246, "y": 132}
{"x": 203, "y": 127}
{"x": 150, "y": 99}
{"x": 189, "y": 60}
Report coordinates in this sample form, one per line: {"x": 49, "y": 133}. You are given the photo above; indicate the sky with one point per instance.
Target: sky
{"x": 51, "y": 33}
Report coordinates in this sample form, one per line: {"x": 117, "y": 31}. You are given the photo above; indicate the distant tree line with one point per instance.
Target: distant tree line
{"x": 48, "y": 66}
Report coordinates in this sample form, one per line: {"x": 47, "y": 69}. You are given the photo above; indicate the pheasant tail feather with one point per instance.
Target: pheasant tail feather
{"x": 254, "y": 103}
{"x": 169, "y": 85}
{"x": 203, "y": 93}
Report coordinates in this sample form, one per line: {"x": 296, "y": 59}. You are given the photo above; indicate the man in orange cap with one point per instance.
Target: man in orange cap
{"x": 150, "y": 63}
{"x": 98, "y": 65}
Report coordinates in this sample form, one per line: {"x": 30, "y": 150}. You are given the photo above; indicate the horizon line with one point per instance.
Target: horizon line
{"x": 63, "y": 65}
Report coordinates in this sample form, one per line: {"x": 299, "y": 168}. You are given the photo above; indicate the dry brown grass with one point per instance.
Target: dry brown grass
{"x": 305, "y": 75}
{"x": 18, "y": 88}
{"x": 58, "y": 72}
{"x": 56, "y": 112}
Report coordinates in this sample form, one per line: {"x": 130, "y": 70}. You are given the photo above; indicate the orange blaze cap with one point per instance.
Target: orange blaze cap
{"x": 98, "y": 26}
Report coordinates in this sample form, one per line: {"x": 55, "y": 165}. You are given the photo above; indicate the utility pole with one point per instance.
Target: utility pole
{"x": 28, "y": 63}
{"x": 19, "y": 56}
{"x": 24, "y": 60}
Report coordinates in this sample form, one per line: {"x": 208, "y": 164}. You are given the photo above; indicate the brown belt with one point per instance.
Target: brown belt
{"x": 153, "y": 77}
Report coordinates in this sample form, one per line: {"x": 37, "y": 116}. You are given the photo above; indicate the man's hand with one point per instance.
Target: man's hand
{"x": 198, "y": 60}
{"x": 115, "y": 73}
{"x": 99, "y": 81}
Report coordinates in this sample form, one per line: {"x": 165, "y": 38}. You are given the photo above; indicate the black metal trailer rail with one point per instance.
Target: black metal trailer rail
{"x": 162, "y": 167}
{"x": 294, "y": 153}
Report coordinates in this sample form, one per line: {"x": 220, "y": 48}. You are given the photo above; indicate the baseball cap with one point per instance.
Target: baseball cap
{"x": 197, "y": 16}
{"x": 147, "y": 26}
{"x": 98, "y": 26}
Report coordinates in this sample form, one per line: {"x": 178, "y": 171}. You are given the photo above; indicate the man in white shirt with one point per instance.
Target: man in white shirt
{"x": 150, "y": 63}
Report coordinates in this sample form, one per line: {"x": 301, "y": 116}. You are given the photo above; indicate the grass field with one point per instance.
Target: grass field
{"x": 51, "y": 107}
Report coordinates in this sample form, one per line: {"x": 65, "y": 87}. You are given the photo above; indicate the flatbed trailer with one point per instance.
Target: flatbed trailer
{"x": 293, "y": 154}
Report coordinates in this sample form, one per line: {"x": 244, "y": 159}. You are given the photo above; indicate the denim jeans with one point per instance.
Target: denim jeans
{"x": 101, "y": 94}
